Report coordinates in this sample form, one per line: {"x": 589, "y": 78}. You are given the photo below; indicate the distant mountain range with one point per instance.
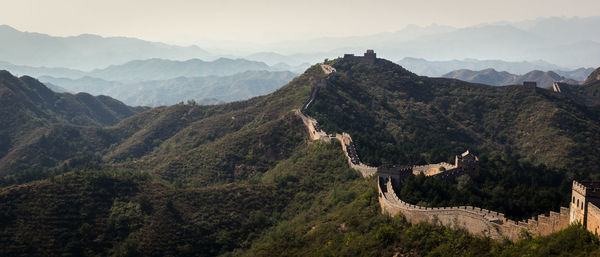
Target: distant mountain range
{"x": 160, "y": 69}
{"x": 203, "y": 90}
{"x": 84, "y": 52}
{"x": 438, "y": 68}
{"x": 496, "y": 78}
{"x": 563, "y": 41}
{"x": 156, "y": 82}
{"x": 578, "y": 74}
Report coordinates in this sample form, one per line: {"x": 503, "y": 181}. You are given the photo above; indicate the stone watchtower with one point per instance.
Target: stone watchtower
{"x": 585, "y": 199}
{"x": 466, "y": 160}
{"x": 369, "y": 57}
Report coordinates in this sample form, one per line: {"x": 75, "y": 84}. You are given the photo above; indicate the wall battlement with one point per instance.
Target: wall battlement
{"x": 465, "y": 163}
{"x": 473, "y": 219}
{"x": 587, "y": 188}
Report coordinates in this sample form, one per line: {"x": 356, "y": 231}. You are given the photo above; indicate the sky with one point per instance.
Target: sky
{"x": 187, "y": 22}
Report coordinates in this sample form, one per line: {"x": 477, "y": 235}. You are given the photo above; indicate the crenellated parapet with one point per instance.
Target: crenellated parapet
{"x": 473, "y": 219}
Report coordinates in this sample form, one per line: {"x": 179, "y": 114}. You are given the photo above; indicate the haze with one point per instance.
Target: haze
{"x": 262, "y": 21}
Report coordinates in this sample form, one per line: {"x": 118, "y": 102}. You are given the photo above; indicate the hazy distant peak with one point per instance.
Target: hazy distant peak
{"x": 6, "y": 28}
{"x": 492, "y": 77}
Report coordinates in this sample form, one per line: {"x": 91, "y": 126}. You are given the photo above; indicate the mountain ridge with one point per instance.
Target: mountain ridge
{"x": 238, "y": 86}
{"x": 495, "y": 78}
{"x": 75, "y": 51}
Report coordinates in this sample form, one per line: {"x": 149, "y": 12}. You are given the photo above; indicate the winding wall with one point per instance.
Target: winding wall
{"x": 474, "y": 220}
{"x": 317, "y": 134}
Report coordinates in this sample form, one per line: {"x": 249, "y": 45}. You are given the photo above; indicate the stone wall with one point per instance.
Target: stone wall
{"x": 593, "y": 219}
{"x": 432, "y": 169}
{"x": 365, "y": 170}
{"x": 475, "y": 220}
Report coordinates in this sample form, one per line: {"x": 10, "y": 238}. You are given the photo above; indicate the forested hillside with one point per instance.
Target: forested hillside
{"x": 243, "y": 179}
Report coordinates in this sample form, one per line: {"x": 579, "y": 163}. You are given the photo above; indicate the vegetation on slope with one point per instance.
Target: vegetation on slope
{"x": 241, "y": 179}
{"x": 347, "y": 221}
{"x": 124, "y": 213}
{"x": 417, "y": 120}
{"x": 516, "y": 188}
{"x": 167, "y": 140}
{"x": 593, "y": 78}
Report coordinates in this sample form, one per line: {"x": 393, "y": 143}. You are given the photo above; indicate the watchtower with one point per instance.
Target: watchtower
{"x": 529, "y": 85}
{"x": 369, "y": 57}
{"x": 585, "y": 196}
{"x": 466, "y": 160}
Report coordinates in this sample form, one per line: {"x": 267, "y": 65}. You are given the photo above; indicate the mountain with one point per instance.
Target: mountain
{"x": 28, "y": 108}
{"x": 240, "y": 86}
{"x": 243, "y": 178}
{"x": 578, "y": 74}
{"x": 439, "y": 68}
{"x": 571, "y": 28}
{"x": 157, "y": 82}
{"x": 41, "y": 71}
{"x": 487, "y": 76}
{"x": 408, "y": 113}
{"x": 272, "y": 58}
{"x": 84, "y": 52}
{"x": 593, "y": 77}
{"x": 495, "y": 78}
{"x": 55, "y": 88}
{"x": 159, "y": 69}
{"x": 559, "y": 40}
{"x": 544, "y": 79}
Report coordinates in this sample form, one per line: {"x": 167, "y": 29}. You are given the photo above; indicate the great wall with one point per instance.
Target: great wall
{"x": 583, "y": 207}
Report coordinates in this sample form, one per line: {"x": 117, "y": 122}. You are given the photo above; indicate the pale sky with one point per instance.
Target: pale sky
{"x": 262, "y": 21}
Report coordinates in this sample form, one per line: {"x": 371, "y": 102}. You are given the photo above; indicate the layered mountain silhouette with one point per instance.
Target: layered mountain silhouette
{"x": 496, "y": 78}
{"x": 439, "y": 68}
{"x": 160, "y": 69}
{"x": 204, "y": 90}
{"x": 155, "y": 82}
{"x": 84, "y": 52}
